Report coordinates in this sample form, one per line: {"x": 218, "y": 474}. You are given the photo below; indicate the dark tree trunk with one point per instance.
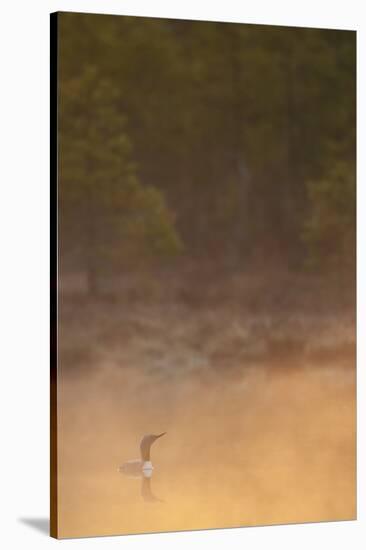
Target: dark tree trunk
{"x": 92, "y": 280}
{"x": 91, "y": 238}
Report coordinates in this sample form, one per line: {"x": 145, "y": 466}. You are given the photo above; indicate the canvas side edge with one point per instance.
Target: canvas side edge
{"x": 53, "y": 275}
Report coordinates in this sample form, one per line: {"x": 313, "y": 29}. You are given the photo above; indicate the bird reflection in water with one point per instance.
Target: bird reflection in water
{"x": 143, "y": 468}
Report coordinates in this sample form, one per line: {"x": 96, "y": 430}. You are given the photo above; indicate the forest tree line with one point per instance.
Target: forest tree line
{"x": 205, "y": 140}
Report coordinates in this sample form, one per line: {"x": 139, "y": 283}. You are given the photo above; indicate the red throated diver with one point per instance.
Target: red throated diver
{"x": 142, "y": 464}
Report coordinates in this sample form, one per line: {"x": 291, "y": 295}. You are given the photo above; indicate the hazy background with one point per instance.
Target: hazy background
{"x": 207, "y": 273}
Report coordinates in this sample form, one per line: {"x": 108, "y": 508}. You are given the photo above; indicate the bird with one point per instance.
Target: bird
{"x": 141, "y": 465}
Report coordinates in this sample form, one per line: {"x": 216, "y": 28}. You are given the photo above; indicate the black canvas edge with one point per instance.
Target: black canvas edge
{"x": 53, "y": 274}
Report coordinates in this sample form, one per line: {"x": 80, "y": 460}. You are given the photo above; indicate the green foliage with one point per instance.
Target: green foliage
{"x": 229, "y": 123}
{"x": 331, "y": 226}
{"x": 106, "y": 212}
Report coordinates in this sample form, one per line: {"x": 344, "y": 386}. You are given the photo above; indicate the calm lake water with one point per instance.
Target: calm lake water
{"x": 269, "y": 445}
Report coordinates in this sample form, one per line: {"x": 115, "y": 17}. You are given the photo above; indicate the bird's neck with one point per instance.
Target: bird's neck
{"x": 145, "y": 450}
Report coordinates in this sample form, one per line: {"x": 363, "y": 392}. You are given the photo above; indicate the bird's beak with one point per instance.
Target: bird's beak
{"x": 160, "y": 435}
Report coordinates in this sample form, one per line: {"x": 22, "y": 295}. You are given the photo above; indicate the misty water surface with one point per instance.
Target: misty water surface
{"x": 268, "y": 445}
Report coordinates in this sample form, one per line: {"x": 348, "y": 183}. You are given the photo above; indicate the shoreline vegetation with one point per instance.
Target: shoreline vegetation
{"x": 199, "y": 319}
